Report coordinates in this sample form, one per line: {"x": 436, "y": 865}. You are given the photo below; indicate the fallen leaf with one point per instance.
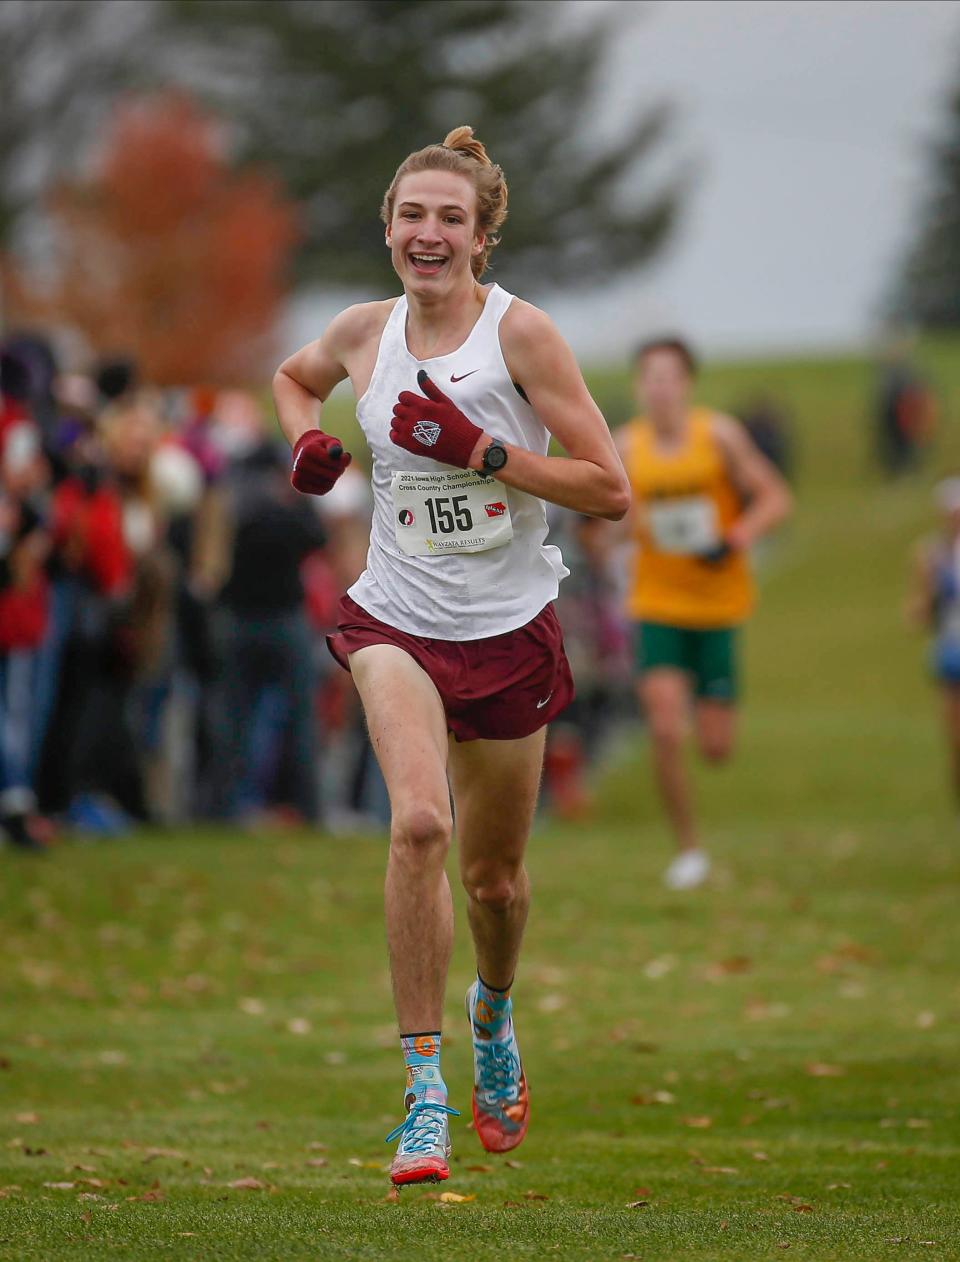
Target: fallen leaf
{"x": 173, "y": 1154}
{"x": 61, "y": 1187}
{"x": 918, "y": 1123}
{"x": 724, "y": 1224}
{"x": 248, "y": 1184}
{"x": 9, "y": 1190}
{"x": 479, "y": 1169}
{"x": 720, "y": 1170}
{"x": 783, "y": 1244}
{"x": 759, "y": 1156}
{"x": 819, "y": 1069}
{"x": 642, "y": 1192}
{"x": 317, "y": 1147}
{"x": 27, "y": 1119}
{"x": 317, "y": 1162}
{"x": 514, "y": 1165}
{"x": 87, "y": 1196}
{"x": 393, "y": 1196}
{"x": 637, "y": 1204}
{"x": 697, "y": 1122}
{"x": 454, "y": 1198}
{"x": 535, "y": 1196}
{"x": 299, "y": 1025}
{"x": 802, "y": 1209}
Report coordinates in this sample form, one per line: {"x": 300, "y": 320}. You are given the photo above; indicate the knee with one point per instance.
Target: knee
{"x": 420, "y": 830}
{"x": 666, "y": 731}
{"x": 496, "y": 889}
{"x": 716, "y": 750}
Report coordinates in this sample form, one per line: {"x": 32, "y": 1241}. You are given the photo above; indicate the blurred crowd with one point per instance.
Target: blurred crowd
{"x": 164, "y": 600}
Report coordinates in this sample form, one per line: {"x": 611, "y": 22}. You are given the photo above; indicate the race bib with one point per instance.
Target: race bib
{"x": 458, "y": 511}
{"x": 687, "y": 526}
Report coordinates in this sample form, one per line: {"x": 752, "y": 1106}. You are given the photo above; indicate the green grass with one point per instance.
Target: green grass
{"x": 183, "y": 1011}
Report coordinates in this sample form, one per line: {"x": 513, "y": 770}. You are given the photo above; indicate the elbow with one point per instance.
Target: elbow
{"x": 618, "y": 501}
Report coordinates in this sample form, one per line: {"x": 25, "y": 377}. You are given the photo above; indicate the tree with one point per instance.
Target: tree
{"x": 928, "y": 287}
{"x": 332, "y": 94}
{"x": 346, "y": 88}
{"x": 166, "y": 252}
{"x": 63, "y": 61}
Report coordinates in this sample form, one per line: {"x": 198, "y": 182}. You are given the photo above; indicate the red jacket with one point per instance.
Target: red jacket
{"x": 87, "y": 531}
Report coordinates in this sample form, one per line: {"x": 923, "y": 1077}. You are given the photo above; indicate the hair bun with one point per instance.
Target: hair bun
{"x": 462, "y": 140}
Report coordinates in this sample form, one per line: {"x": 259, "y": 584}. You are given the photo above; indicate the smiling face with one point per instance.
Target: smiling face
{"x": 432, "y": 235}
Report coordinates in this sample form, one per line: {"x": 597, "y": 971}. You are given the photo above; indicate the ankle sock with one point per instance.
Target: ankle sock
{"x": 421, "y": 1055}
{"x": 492, "y": 1012}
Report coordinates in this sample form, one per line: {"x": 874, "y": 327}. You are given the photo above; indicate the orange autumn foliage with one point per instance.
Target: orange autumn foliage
{"x": 167, "y": 253}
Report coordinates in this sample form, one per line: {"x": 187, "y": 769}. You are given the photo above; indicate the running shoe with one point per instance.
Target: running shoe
{"x": 689, "y": 869}
{"x": 501, "y": 1104}
{"x": 424, "y": 1150}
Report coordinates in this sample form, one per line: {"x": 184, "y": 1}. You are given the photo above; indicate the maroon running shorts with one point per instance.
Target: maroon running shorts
{"x": 498, "y": 689}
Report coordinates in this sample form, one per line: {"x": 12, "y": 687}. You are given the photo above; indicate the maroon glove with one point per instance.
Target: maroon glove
{"x": 318, "y": 460}
{"x": 433, "y": 426}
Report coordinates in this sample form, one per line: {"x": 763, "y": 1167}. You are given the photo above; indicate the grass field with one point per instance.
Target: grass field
{"x": 198, "y": 1058}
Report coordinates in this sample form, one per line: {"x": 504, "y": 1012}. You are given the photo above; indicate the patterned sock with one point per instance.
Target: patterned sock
{"x": 421, "y": 1055}
{"x": 493, "y": 1011}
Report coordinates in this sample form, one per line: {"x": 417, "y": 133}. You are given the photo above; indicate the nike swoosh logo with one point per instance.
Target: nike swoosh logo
{"x": 541, "y": 704}
{"x": 466, "y": 374}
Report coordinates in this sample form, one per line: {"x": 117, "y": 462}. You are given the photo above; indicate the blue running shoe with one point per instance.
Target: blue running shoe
{"x": 501, "y": 1103}
{"x": 424, "y": 1150}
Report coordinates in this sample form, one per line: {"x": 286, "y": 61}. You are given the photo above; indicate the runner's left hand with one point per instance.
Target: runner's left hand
{"x": 433, "y": 427}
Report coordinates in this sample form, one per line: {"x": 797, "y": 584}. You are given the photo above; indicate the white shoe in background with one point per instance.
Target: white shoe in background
{"x": 689, "y": 869}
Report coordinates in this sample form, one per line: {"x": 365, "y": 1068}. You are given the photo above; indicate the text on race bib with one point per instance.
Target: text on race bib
{"x": 686, "y": 526}
{"x": 455, "y": 511}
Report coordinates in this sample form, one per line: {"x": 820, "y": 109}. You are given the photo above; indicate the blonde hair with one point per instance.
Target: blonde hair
{"x": 462, "y": 154}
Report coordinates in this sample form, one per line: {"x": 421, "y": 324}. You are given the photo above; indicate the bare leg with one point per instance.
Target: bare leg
{"x": 716, "y": 723}
{"x": 665, "y": 698}
{"x": 495, "y": 786}
{"x": 408, "y": 731}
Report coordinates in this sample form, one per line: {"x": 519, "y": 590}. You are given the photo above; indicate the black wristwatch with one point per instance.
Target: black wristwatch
{"x": 494, "y": 457}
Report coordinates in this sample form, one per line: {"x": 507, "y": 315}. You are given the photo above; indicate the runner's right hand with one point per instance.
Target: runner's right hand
{"x": 318, "y": 460}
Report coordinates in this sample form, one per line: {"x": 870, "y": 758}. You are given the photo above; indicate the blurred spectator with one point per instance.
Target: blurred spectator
{"x": 934, "y": 605}
{"x": 267, "y": 680}
{"x": 597, "y": 639}
{"x": 905, "y": 410}
{"x": 354, "y": 793}
{"x": 768, "y": 424}
{"x": 23, "y": 598}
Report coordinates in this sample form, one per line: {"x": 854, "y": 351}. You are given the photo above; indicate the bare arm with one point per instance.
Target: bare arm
{"x": 303, "y": 382}
{"x": 768, "y": 498}
{"x": 591, "y": 478}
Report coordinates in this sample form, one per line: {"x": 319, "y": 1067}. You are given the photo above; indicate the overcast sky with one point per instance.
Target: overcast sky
{"x": 806, "y": 122}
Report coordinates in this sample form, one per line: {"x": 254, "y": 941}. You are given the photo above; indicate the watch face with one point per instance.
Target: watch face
{"x": 495, "y": 457}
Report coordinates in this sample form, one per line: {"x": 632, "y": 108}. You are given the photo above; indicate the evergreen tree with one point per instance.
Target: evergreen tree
{"x": 333, "y": 94}
{"x": 928, "y": 289}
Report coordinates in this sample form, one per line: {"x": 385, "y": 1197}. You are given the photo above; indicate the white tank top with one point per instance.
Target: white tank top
{"x": 466, "y": 596}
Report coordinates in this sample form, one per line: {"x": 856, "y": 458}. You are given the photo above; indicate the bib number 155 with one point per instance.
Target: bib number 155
{"x": 449, "y": 514}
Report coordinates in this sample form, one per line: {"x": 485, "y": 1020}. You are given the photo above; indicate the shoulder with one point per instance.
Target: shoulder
{"x": 534, "y": 349}
{"x": 524, "y": 326}
{"x": 625, "y": 435}
{"x": 727, "y": 432}
{"x": 357, "y": 324}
